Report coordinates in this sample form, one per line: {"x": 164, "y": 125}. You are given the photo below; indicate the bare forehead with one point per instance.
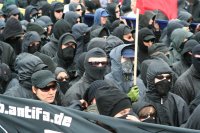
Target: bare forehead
{"x": 97, "y": 59}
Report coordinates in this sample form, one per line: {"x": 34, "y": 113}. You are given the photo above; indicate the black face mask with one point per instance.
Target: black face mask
{"x": 188, "y": 59}
{"x": 68, "y": 54}
{"x": 96, "y": 73}
{"x": 127, "y": 69}
{"x": 128, "y": 42}
{"x": 151, "y": 26}
{"x": 64, "y": 86}
{"x": 86, "y": 38}
{"x": 196, "y": 62}
{"x": 150, "y": 120}
{"x": 163, "y": 87}
{"x": 33, "y": 49}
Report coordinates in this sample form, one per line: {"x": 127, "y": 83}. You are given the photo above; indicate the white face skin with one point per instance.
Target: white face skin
{"x": 148, "y": 44}
{"x": 35, "y": 43}
{"x": 118, "y": 12}
{"x": 128, "y": 37}
{"x": 3, "y": 18}
{"x": 79, "y": 12}
{"x": 98, "y": 59}
{"x": 133, "y": 5}
{"x": 157, "y": 80}
{"x": 103, "y": 21}
{"x": 49, "y": 29}
{"x": 58, "y": 15}
{"x": 62, "y": 75}
{"x": 151, "y": 21}
{"x": 123, "y": 112}
{"x": 46, "y": 96}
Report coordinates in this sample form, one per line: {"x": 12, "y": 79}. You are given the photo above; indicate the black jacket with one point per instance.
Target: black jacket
{"x": 195, "y": 11}
{"x": 171, "y": 109}
{"x": 71, "y": 18}
{"x": 187, "y": 85}
{"x": 26, "y": 66}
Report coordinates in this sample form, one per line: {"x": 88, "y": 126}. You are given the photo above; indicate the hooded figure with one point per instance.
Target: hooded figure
{"x": 96, "y": 43}
{"x": 122, "y": 30}
{"x": 12, "y": 10}
{"x": 80, "y": 64}
{"x": 27, "y": 65}
{"x": 7, "y": 55}
{"x": 166, "y": 34}
{"x": 29, "y": 38}
{"x": 144, "y": 19}
{"x": 111, "y": 11}
{"x": 117, "y": 74}
{"x": 101, "y": 32}
{"x": 65, "y": 56}
{"x": 100, "y": 12}
{"x": 55, "y": 6}
{"x": 186, "y": 58}
{"x": 185, "y": 16}
{"x": 194, "y": 10}
{"x": 31, "y": 13}
{"x": 171, "y": 109}
{"x": 143, "y": 50}
{"x": 61, "y": 27}
{"x": 178, "y": 37}
{"x": 71, "y": 18}
{"x": 82, "y": 36}
{"x": 111, "y": 100}
{"x": 187, "y": 85}
{"x": 92, "y": 73}
{"x": 11, "y": 34}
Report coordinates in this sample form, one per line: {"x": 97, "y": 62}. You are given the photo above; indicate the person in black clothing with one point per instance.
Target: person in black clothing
{"x": 194, "y": 9}
{"x": 31, "y": 13}
{"x": 56, "y": 11}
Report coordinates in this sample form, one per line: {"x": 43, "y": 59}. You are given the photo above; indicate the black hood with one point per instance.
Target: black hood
{"x": 96, "y": 43}
{"x": 197, "y": 37}
{"x": 13, "y": 28}
{"x": 138, "y": 106}
{"x": 73, "y": 6}
{"x": 172, "y": 25}
{"x": 71, "y": 17}
{"x": 99, "y": 32}
{"x": 30, "y": 37}
{"x": 189, "y": 45}
{"x": 119, "y": 31}
{"x": 27, "y": 65}
{"x": 46, "y": 8}
{"x": 61, "y": 27}
{"x": 144, "y": 19}
{"x": 53, "y": 5}
{"x": 111, "y": 43}
{"x": 35, "y": 27}
{"x": 141, "y": 35}
{"x": 155, "y": 68}
{"x": 46, "y": 20}
{"x": 185, "y": 16}
{"x": 111, "y": 11}
{"x": 28, "y": 12}
{"x": 92, "y": 72}
{"x": 78, "y": 30}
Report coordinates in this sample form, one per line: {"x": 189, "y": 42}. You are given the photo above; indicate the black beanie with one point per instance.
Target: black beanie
{"x": 61, "y": 27}
{"x": 89, "y": 94}
{"x": 111, "y": 100}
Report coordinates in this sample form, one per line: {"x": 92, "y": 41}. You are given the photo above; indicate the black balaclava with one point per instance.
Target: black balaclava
{"x": 92, "y": 72}
{"x": 67, "y": 54}
{"x": 195, "y": 60}
{"x": 189, "y": 45}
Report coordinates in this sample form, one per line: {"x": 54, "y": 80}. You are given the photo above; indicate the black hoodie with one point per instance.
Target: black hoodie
{"x": 53, "y": 5}
{"x": 27, "y": 65}
{"x": 13, "y": 28}
{"x": 195, "y": 11}
{"x": 28, "y": 12}
{"x": 171, "y": 109}
{"x": 71, "y": 18}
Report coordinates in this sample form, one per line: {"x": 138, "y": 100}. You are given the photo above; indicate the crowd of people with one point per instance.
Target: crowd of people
{"x": 51, "y": 54}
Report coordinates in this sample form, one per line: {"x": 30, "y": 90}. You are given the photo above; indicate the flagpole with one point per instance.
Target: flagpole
{"x": 136, "y": 46}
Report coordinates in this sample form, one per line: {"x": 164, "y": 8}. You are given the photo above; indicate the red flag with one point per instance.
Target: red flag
{"x": 168, "y": 7}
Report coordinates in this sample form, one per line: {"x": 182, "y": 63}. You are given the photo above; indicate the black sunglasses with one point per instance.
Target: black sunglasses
{"x": 116, "y": 11}
{"x": 47, "y": 88}
{"x": 78, "y": 9}
{"x": 60, "y": 79}
{"x": 59, "y": 11}
{"x": 147, "y": 115}
{"x": 152, "y": 40}
{"x": 162, "y": 77}
{"x": 97, "y": 63}
{"x": 15, "y": 14}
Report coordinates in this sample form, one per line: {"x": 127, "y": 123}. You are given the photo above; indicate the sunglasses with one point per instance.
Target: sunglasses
{"x": 116, "y": 11}
{"x": 59, "y": 11}
{"x": 151, "y": 40}
{"x": 160, "y": 77}
{"x": 78, "y": 9}
{"x": 97, "y": 63}
{"x": 60, "y": 79}
{"x": 148, "y": 115}
{"x": 47, "y": 88}
{"x": 15, "y": 14}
